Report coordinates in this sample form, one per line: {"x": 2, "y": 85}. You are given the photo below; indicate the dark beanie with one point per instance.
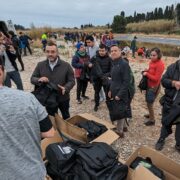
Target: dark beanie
{"x": 79, "y": 45}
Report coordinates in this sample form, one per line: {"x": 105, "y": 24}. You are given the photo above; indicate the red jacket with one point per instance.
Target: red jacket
{"x": 154, "y": 73}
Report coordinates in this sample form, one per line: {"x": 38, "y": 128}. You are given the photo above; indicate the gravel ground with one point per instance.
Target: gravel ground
{"x": 138, "y": 134}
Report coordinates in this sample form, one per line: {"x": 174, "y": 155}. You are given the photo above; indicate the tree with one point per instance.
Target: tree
{"x": 82, "y": 27}
{"x": 160, "y": 13}
{"x": 178, "y": 14}
{"x": 119, "y": 24}
{"x": 156, "y": 13}
{"x": 122, "y": 14}
{"x": 171, "y": 15}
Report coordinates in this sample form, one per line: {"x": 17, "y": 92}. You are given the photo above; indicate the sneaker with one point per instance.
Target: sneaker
{"x": 160, "y": 144}
{"x": 95, "y": 108}
{"x": 79, "y": 101}
{"x": 150, "y": 123}
{"x": 85, "y": 97}
{"x": 177, "y": 147}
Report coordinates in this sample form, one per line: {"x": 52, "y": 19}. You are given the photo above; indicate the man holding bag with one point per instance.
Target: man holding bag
{"x": 119, "y": 93}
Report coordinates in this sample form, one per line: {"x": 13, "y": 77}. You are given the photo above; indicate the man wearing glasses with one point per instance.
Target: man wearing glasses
{"x": 56, "y": 71}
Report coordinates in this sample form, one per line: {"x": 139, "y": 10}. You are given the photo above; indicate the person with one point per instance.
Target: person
{"x": 120, "y": 79}
{"x": 16, "y": 44}
{"x": 56, "y": 71}
{"x": 44, "y": 41}
{"x": 92, "y": 49}
{"x": 80, "y": 62}
{"x": 23, "y": 122}
{"x": 91, "y": 46}
{"x": 25, "y": 42}
{"x": 8, "y": 54}
{"x": 153, "y": 74}
{"x": 133, "y": 46}
{"x": 100, "y": 71}
{"x": 131, "y": 88}
{"x": 171, "y": 82}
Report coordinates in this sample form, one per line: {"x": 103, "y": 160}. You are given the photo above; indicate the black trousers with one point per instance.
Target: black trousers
{"x": 165, "y": 133}
{"x": 63, "y": 107}
{"x": 81, "y": 87}
{"x": 18, "y": 54}
{"x": 97, "y": 88}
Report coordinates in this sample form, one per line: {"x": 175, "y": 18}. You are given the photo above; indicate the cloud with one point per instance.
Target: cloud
{"x": 73, "y": 13}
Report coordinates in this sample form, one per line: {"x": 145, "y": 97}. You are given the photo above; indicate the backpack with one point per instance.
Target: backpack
{"x": 61, "y": 159}
{"x": 99, "y": 160}
{"x": 94, "y": 129}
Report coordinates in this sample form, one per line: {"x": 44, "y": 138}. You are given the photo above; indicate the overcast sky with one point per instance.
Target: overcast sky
{"x": 73, "y": 13}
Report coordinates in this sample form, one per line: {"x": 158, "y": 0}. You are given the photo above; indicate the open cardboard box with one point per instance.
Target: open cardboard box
{"x": 170, "y": 168}
{"x": 69, "y": 130}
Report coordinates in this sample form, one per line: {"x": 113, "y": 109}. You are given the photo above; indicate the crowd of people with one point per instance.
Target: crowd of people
{"x": 105, "y": 66}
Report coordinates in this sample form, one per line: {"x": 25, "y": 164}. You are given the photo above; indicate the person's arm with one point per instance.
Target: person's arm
{"x": 70, "y": 79}
{"x": 41, "y": 116}
{"x": 75, "y": 63}
{"x": 126, "y": 80}
{"x": 159, "y": 71}
{"x": 46, "y": 128}
{"x": 167, "y": 79}
{"x": 36, "y": 75}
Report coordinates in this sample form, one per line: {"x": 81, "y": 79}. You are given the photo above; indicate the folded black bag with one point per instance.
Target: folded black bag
{"x": 117, "y": 109}
{"x": 46, "y": 94}
{"x": 94, "y": 129}
{"x": 100, "y": 162}
{"x": 143, "y": 84}
{"x": 147, "y": 163}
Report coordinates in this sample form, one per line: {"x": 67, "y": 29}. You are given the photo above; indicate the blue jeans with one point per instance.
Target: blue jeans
{"x": 15, "y": 76}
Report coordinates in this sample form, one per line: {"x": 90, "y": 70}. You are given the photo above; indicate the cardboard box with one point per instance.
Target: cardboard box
{"x": 142, "y": 173}
{"x": 70, "y": 131}
{"x": 170, "y": 168}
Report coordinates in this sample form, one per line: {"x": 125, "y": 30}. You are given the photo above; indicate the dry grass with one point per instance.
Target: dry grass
{"x": 151, "y": 26}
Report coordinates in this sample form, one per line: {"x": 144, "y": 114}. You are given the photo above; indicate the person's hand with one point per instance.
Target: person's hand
{"x": 117, "y": 98}
{"x": 109, "y": 78}
{"x": 90, "y": 65}
{"x": 43, "y": 79}
{"x": 63, "y": 90}
{"x": 11, "y": 49}
{"x": 176, "y": 84}
{"x": 144, "y": 73}
{"x": 109, "y": 94}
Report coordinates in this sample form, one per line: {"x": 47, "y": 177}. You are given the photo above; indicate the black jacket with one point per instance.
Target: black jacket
{"x": 170, "y": 108}
{"x": 12, "y": 57}
{"x": 120, "y": 75}
{"x": 62, "y": 74}
{"x": 101, "y": 66}
{"x": 172, "y": 73}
